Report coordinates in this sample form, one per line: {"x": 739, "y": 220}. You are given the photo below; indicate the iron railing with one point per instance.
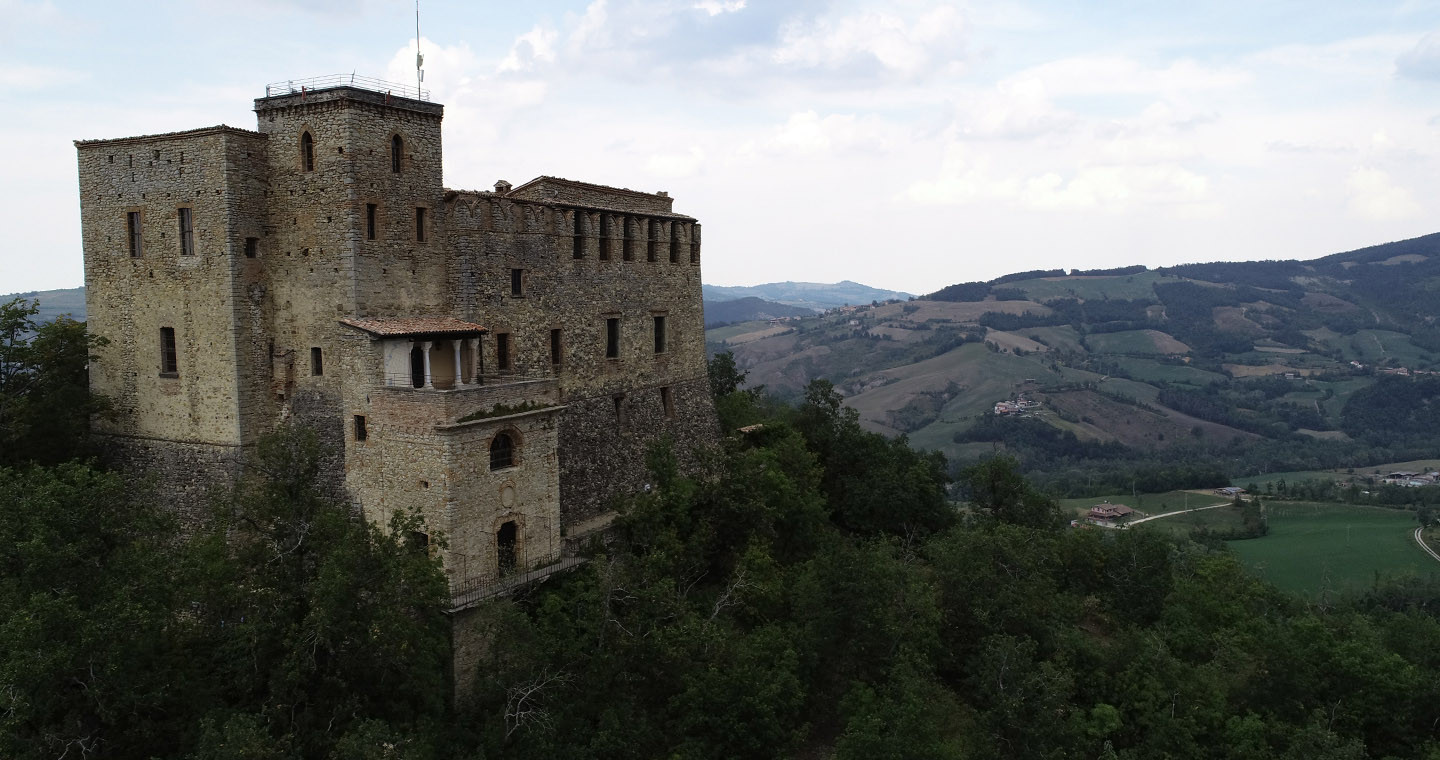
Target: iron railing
{"x": 298, "y": 86}
{"x": 406, "y": 380}
{"x": 476, "y": 588}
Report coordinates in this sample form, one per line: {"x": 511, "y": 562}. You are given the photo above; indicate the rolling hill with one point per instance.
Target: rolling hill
{"x": 54, "y": 303}
{"x": 1215, "y": 354}
{"x": 815, "y": 296}
{"x": 749, "y": 309}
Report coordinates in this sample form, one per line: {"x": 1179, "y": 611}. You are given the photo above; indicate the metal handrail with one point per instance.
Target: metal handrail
{"x": 298, "y": 86}
{"x": 404, "y": 380}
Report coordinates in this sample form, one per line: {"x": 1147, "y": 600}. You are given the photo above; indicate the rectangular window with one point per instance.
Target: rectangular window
{"x": 360, "y": 432}
{"x": 604, "y": 237}
{"x": 619, "y": 412}
{"x": 555, "y": 346}
{"x": 502, "y": 351}
{"x": 659, "y": 334}
{"x": 369, "y": 221}
{"x": 517, "y": 282}
{"x": 187, "y": 234}
{"x": 317, "y": 361}
{"x": 667, "y": 402}
{"x": 627, "y": 250}
{"x": 252, "y": 247}
{"x": 132, "y": 227}
{"x": 674, "y": 242}
{"x": 579, "y": 235}
{"x": 169, "y": 357}
{"x": 419, "y": 225}
{"x": 651, "y": 244}
{"x": 612, "y": 338}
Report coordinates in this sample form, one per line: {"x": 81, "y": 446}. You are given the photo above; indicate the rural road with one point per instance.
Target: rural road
{"x": 1181, "y": 512}
{"x": 1427, "y": 549}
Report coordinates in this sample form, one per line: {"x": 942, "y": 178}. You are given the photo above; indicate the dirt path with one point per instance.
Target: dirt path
{"x": 1181, "y": 512}
{"x": 1426, "y": 547}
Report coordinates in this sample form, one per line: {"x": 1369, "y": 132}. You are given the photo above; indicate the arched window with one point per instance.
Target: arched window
{"x": 502, "y": 452}
{"x": 397, "y": 149}
{"x": 307, "y": 151}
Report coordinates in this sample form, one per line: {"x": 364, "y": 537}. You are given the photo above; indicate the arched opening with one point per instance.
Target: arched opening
{"x": 397, "y": 149}
{"x": 417, "y": 367}
{"x": 502, "y": 451}
{"x": 307, "y": 152}
{"x": 505, "y": 547}
{"x": 442, "y": 364}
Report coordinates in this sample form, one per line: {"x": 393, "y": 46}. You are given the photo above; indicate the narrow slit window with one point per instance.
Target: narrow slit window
{"x": 579, "y": 235}
{"x": 517, "y": 283}
{"x": 694, "y": 244}
{"x": 370, "y": 221}
{"x": 604, "y": 237}
{"x": 187, "y": 233}
{"x": 651, "y": 244}
{"x": 132, "y": 226}
{"x": 627, "y": 249}
{"x": 612, "y": 338}
{"x": 419, "y": 224}
{"x": 619, "y": 412}
{"x": 667, "y": 402}
{"x": 397, "y": 149}
{"x": 360, "y": 432}
{"x": 317, "y": 361}
{"x": 674, "y": 242}
{"x": 659, "y": 334}
{"x": 252, "y": 247}
{"x": 502, "y": 351}
{"x": 307, "y": 152}
{"x": 555, "y": 353}
{"x": 169, "y": 356}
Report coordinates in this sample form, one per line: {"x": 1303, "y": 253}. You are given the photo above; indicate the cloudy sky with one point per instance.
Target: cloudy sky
{"x": 906, "y": 144}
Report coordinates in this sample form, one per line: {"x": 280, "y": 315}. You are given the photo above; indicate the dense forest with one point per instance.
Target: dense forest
{"x": 808, "y": 589}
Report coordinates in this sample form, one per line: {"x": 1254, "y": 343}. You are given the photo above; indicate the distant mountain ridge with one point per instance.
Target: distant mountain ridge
{"x": 1146, "y": 358}
{"x": 816, "y": 296}
{"x": 54, "y": 303}
{"x": 749, "y": 309}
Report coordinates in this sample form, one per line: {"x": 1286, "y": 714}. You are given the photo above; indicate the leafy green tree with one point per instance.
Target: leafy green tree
{"x": 996, "y": 487}
{"x": 90, "y": 629}
{"x": 45, "y": 400}
{"x": 324, "y": 623}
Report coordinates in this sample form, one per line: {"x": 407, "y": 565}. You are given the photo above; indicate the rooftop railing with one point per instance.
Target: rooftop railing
{"x": 298, "y": 86}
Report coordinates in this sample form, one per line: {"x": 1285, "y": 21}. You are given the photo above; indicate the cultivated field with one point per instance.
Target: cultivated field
{"x": 1315, "y": 549}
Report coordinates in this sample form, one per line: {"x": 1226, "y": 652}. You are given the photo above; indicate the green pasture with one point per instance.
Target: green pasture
{"x": 1060, "y": 338}
{"x": 1130, "y": 286}
{"x": 1149, "y": 371}
{"x": 1149, "y": 503}
{"x": 727, "y": 332}
{"x": 1314, "y": 549}
{"x": 1218, "y": 519}
{"x": 1124, "y": 342}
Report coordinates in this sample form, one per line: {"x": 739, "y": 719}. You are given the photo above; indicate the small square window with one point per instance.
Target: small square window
{"x": 252, "y": 247}
{"x": 360, "y": 432}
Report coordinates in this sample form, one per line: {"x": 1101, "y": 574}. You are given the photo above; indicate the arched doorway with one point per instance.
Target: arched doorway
{"x": 417, "y": 367}
{"x": 505, "y": 547}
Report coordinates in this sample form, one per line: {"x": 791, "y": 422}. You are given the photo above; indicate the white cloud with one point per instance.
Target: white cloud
{"x": 1374, "y": 196}
{"x": 676, "y": 165}
{"x": 807, "y": 133}
{"x": 534, "y": 47}
{"x": 1421, "y": 61}
{"x": 907, "y": 46}
{"x": 717, "y": 7}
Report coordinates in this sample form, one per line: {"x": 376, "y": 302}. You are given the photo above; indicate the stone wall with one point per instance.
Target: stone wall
{"x": 184, "y": 478}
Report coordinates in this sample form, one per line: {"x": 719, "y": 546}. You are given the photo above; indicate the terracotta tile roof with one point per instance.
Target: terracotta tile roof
{"x": 400, "y": 326}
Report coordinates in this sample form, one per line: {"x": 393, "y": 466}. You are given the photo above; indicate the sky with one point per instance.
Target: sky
{"x": 905, "y": 144}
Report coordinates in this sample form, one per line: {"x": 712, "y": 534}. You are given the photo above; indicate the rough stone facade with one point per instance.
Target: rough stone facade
{"x": 498, "y": 361}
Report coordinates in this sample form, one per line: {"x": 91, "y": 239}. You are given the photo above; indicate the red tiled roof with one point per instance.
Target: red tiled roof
{"x": 401, "y": 326}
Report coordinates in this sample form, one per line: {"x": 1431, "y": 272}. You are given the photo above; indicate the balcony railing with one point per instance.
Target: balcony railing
{"x": 407, "y": 380}
{"x": 479, "y": 588}
{"x": 298, "y": 86}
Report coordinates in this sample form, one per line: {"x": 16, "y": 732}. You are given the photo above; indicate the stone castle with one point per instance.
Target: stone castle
{"x": 497, "y": 360}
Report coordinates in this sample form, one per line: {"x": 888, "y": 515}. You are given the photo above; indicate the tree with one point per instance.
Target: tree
{"x": 996, "y": 487}
{"x": 45, "y": 399}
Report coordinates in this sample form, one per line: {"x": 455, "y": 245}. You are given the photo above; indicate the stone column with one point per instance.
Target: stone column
{"x": 459, "y": 370}
{"x": 425, "y": 350}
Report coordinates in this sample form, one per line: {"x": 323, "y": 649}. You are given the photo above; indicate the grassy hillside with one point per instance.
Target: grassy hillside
{"x": 1205, "y": 355}
{"x": 54, "y": 303}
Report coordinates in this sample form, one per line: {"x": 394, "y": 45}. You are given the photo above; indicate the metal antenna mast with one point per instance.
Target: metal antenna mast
{"x": 419, "y": 58}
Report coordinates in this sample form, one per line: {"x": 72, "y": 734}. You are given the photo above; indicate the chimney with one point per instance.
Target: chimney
{"x": 501, "y": 186}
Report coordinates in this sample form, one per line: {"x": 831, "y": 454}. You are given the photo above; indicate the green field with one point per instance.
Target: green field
{"x": 718, "y": 334}
{"x": 1141, "y": 285}
{"x": 1127, "y": 342}
{"x": 1149, "y": 371}
{"x": 1333, "y": 548}
{"x": 1149, "y": 503}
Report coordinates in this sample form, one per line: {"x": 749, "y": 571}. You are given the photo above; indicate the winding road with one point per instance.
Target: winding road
{"x": 1426, "y": 547}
